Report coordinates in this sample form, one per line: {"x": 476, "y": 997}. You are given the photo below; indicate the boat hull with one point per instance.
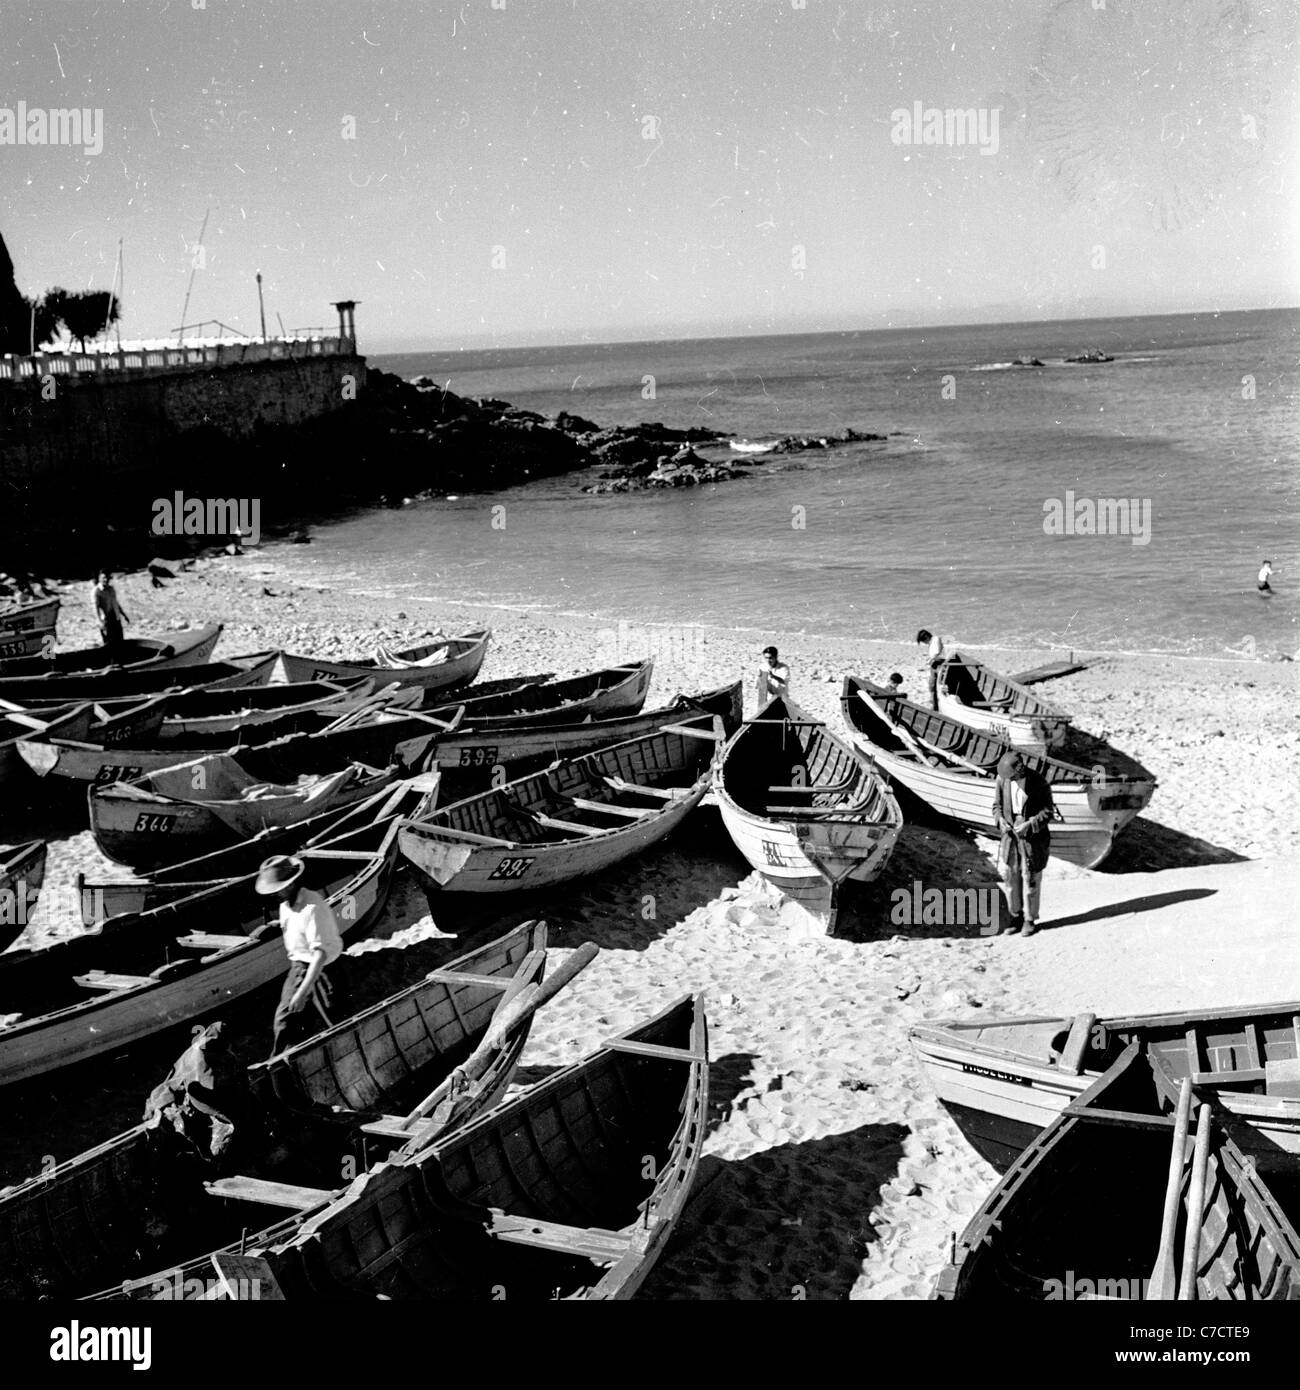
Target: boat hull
{"x": 459, "y": 670}
{"x": 109, "y": 1022}
{"x": 22, "y": 873}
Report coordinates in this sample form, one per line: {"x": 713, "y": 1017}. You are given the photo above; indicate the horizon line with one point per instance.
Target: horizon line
{"x": 471, "y": 346}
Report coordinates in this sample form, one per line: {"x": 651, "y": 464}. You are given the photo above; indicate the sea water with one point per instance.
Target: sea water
{"x": 957, "y": 521}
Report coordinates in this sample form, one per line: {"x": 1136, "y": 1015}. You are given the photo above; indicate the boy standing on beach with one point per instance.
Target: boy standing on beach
{"x": 109, "y": 610}
{"x": 1022, "y": 814}
{"x": 1265, "y": 574}
{"x": 311, "y": 940}
{"x": 935, "y": 656}
{"x": 773, "y": 677}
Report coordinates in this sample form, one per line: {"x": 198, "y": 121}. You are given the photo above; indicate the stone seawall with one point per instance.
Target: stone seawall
{"x": 81, "y": 452}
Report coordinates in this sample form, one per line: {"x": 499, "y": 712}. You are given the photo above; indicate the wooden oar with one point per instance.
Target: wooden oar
{"x": 519, "y": 1003}
{"x": 1164, "y": 1276}
{"x": 1195, "y": 1207}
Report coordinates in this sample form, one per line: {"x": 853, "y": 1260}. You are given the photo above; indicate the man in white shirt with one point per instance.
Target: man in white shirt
{"x": 311, "y": 940}
{"x": 1265, "y": 573}
{"x": 935, "y": 656}
{"x": 773, "y": 677}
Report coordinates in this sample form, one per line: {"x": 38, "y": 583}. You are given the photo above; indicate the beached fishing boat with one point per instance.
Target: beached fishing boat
{"x": 26, "y": 617}
{"x": 952, "y": 768}
{"x": 122, "y": 751}
{"x": 185, "y": 809}
{"x": 1004, "y": 1080}
{"x": 133, "y": 655}
{"x": 972, "y": 694}
{"x": 40, "y": 694}
{"x": 137, "y": 975}
{"x": 22, "y": 872}
{"x": 444, "y": 664}
{"x": 574, "y": 819}
{"x": 594, "y": 695}
{"x": 138, "y": 1203}
{"x": 469, "y": 757}
{"x": 102, "y": 898}
{"x": 807, "y": 810}
{"x": 570, "y": 1190}
{"x": 1037, "y": 1238}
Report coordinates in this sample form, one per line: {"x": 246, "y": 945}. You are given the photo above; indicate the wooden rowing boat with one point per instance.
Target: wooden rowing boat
{"x": 182, "y": 810}
{"x": 616, "y": 690}
{"x": 122, "y": 753}
{"x": 22, "y": 872}
{"x": 972, "y": 694}
{"x": 40, "y": 694}
{"x": 570, "y": 1190}
{"x": 807, "y": 810}
{"x": 101, "y": 898}
{"x": 577, "y": 818}
{"x": 133, "y": 655}
{"x": 445, "y": 664}
{"x": 139, "y": 1203}
{"x": 139, "y": 974}
{"x": 952, "y": 768}
{"x": 19, "y": 620}
{"x": 1004, "y": 1080}
{"x": 473, "y": 755}
{"x": 1078, "y": 1214}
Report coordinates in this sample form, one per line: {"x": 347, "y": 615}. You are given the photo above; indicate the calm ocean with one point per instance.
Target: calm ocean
{"x": 942, "y": 526}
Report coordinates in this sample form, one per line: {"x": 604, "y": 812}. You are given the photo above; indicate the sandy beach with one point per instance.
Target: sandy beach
{"x": 831, "y": 1170}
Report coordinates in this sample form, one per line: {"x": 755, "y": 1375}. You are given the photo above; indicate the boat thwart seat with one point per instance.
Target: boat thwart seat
{"x": 582, "y": 1242}
{"x": 269, "y": 1194}
{"x": 109, "y": 980}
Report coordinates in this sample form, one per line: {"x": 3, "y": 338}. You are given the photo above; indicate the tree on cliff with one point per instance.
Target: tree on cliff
{"x": 85, "y": 314}
{"x": 15, "y": 309}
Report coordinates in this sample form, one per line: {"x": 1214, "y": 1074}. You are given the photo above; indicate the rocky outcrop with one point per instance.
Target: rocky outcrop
{"x": 799, "y": 443}
{"x": 684, "y": 468}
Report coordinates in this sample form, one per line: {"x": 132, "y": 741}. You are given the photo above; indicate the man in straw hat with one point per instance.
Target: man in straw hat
{"x": 312, "y": 941}
{"x": 1022, "y": 812}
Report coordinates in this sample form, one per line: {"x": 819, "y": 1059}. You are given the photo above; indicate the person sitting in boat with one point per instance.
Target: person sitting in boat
{"x": 1265, "y": 571}
{"x": 895, "y": 686}
{"x": 1022, "y": 814}
{"x": 773, "y": 677}
{"x": 312, "y": 942}
{"x": 108, "y": 609}
{"x": 935, "y": 656}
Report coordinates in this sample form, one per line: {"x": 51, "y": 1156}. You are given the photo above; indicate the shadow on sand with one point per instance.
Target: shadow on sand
{"x": 774, "y": 1225}
{"x": 1145, "y": 846}
{"x": 1132, "y": 905}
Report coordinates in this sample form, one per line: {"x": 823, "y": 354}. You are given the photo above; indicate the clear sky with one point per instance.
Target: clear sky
{"x": 566, "y": 170}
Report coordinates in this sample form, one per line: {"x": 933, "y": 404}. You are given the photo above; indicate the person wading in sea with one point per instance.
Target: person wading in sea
{"x": 773, "y": 677}
{"x": 312, "y": 942}
{"x": 935, "y": 656}
{"x": 1022, "y": 813}
{"x": 109, "y": 610}
{"x": 1265, "y": 573}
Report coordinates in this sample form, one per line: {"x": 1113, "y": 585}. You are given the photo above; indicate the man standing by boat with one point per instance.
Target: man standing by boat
{"x": 935, "y": 656}
{"x": 773, "y": 677}
{"x": 109, "y": 610}
{"x": 1022, "y": 813}
{"x": 311, "y": 940}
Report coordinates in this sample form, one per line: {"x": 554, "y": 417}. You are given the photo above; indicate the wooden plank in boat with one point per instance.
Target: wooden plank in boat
{"x": 106, "y": 979}
{"x": 620, "y": 785}
{"x": 609, "y": 809}
{"x": 553, "y": 824}
{"x": 246, "y": 1272}
{"x": 210, "y": 941}
{"x": 1282, "y": 1078}
{"x": 672, "y": 1054}
{"x": 687, "y": 732}
{"x": 602, "y": 1247}
{"x": 1224, "y": 1078}
{"x": 456, "y": 977}
{"x": 269, "y": 1194}
{"x": 396, "y": 1127}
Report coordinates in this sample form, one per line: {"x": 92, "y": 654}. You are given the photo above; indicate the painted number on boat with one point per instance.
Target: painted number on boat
{"x": 511, "y": 868}
{"x": 773, "y": 852}
{"x": 13, "y": 649}
{"x": 153, "y": 824}
{"x": 997, "y": 1075}
{"x": 478, "y": 757}
{"x": 107, "y": 774}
